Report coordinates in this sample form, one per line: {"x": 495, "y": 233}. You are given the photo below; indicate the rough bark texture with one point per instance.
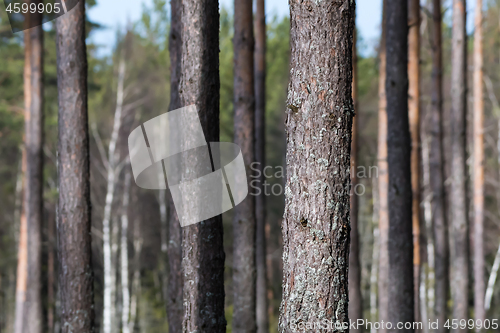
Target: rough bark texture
{"x": 318, "y": 124}
{"x": 244, "y": 224}
{"x": 202, "y": 247}
{"x": 383, "y": 184}
{"x": 73, "y": 220}
{"x": 400, "y": 245}
{"x": 414, "y": 117}
{"x": 174, "y": 290}
{"x": 260, "y": 157}
{"x": 436, "y": 175}
{"x": 459, "y": 232}
{"x": 478, "y": 160}
{"x": 29, "y": 316}
{"x": 355, "y": 298}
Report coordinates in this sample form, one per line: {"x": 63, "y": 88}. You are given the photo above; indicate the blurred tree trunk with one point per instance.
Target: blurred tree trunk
{"x": 202, "y": 261}
{"x": 51, "y": 263}
{"x": 414, "y": 117}
{"x": 375, "y": 256}
{"x": 174, "y": 290}
{"x": 244, "y": 224}
{"x": 29, "y": 317}
{"x": 436, "y": 175}
{"x": 318, "y": 126}
{"x": 459, "y": 234}
{"x": 355, "y": 298}
{"x": 260, "y": 158}
{"x": 124, "y": 253}
{"x": 73, "y": 220}
{"x": 400, "y": 245}
{"x": 479, "y": 278}
{"x": 383, "y": 185}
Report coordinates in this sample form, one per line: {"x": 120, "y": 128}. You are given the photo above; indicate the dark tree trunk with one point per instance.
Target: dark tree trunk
{"x": 319, "y": 117}
{"x": 73, "y": 218}
{"x": 383, "y": 183}
{"x": 31, "y": 309}
{"x": 260, "y": 158}
{"x": 459, "y": 233}
{"x": 244, "y": 270}
{"x": 174, "y": 290}
{"x": 355, "y": 298}
{"x": 202, "y": 247}
{"x": 400, "y": 244}
{"x": 436, "y": 173}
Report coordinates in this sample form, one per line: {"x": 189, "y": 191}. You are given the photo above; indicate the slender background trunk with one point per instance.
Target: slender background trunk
{"x": 355, "y": 298}
{"x": 478, "y": 160}
{"x": 383, "y": 185}
{"x": 400, "y": 245}
{"x": 202, "y": 261}
{"x": 436, "y": 175}
{"x": 459, "y": 234}
{"x": 414, "y": 117}
{"x": 318, "y": 125}
{"x": 244, "y": 224}
{"x": 260, "y": 157}
{"x": 73, "y": 221}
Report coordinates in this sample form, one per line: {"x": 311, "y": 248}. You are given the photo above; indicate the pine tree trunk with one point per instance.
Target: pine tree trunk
{"x": 73, "y": 221}
{"x": 202, "y": 261}
{"x": 414, "y": 117}
{"x": 244, "y": 224}
{"x": 400, "y": 245}
{"x": 319, "y": 117}
{"x": 260, "y": 157}
{"x": 355, "y": 298}
{"x": 478, "y": 181}
{"x": 174, "y": 290}
{"x": 383, "y": 185}
{"x": 31, "y": 309}
{"x": 375, "y": 257}
{"x": 51, "y": 263}
{"x": 436, "y": 175}
{"x": 459, "y": 234}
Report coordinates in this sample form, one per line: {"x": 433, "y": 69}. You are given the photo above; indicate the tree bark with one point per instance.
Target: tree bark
{"x": 478, "y": 160}
{"x": 244, "y": 224}
{"x": 355, "y": 298}
{"x": 459, "y": 234}
{"x": 319, "y": 117}
{"x": 400, "y": 245}
{"x": 436, "y": 174}
{"x": 73, "y": 221}
{"x": 124, "y": 254}
{"x": 383, "y": 185}
{"x": 375, "y": 257}
{"x": 202, "y": 260}
{"x": 414, "y": 117}
{"x": 260, "y": 157}
{"x": 174, "y": 290}
{"x": 30, "y": 310}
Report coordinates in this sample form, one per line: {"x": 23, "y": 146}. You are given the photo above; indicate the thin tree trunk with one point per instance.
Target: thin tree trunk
{"x": 174, "y": 290}
{"x": 202, "y": 261}
{"x": 459, "y": 234}
{"x": 375, "y": 256}
{"x": 436, "y": 176}
{"x": 244, "y": 224}
{"x": 262, "y": 312}
{"x": 383, "y": 185}
{"x": 355, "y": 298}
{"x": 414, "y": 117}
{"x": 478, "y": 181}
{"x": 51, "y": 299}
{"x": 29, "y": 317}
{"x": 318, "y": 124}
{"x": 111, "y": 179}
{"x": 136, "y": 279}
{"x": 400, "y": 245}
{"x": 124, "y": 254}
{"x": 73, "y": 221}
